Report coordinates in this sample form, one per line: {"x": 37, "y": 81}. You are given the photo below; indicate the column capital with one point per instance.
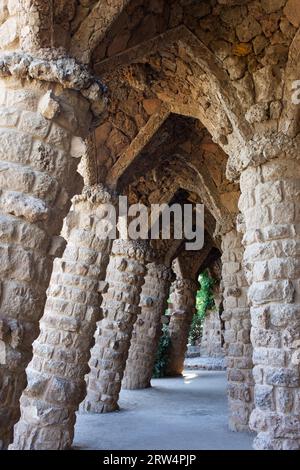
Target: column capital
{"x": 161, "y": 272}
{"x": 261, "y": 149}
{"x": 96, "y": 194}
{"x": 184, "y": 283}
{"x": 138, "y": 249}
{"x": 62, "y": 70}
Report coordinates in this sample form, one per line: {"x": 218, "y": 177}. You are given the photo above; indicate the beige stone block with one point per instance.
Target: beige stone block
{"x": 21, "y": 205}
{"x": 248, "y": 29}
{"x": 264, "y": 397}
{"x": 283, "y": 213}
{"x": 14, "y": 146}
{"x": 282, "y": 377}
{"x": 34, "y": 123}
{"x": 268, "y": 84}
{"x": 277, "y": 291}
{"x": 26, "y": 99}
{"x": 8, "y": 33}
{"x": 272, "y": 5}
{"x": 292, "y": 12}
{"x": 269, "y": 193}
{"x": 9, "y": 117}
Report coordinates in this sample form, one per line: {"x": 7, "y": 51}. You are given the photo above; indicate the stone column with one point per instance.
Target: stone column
{"x": 41, "y": 119}
{"x": 270, "y": 204}
{"x": 147, "y": 328}
{"x": 212, "y": 339}
{"x": 56, "y": 384}
{"x": 238, "y": 346}
{"x": 183, "y": 300}
{"x": 125, "y": 277}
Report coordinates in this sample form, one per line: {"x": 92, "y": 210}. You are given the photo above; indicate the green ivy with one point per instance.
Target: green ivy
{"x": 162, "y": 354}
{"x": 204, "y": 302}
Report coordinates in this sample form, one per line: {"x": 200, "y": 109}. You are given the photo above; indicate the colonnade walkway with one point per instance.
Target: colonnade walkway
{"x": 188, "y": 412}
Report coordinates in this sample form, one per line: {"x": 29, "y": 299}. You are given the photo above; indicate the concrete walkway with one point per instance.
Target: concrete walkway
{"x": 188, "y": 412}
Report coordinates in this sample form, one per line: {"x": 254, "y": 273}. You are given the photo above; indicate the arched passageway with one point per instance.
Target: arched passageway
{"x": 182, "y": 101}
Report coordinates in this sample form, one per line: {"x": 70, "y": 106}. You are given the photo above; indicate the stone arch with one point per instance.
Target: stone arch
{"x": 94, "y": 27}
{"x": 221, "y": 93}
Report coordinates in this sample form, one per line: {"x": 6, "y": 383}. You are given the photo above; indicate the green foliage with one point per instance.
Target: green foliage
{"x": 162, "y": 354}
{"x": 204, "y": 301}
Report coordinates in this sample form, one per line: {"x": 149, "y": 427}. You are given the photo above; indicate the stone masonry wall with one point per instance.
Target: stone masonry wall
{"x": 211, "y": 340}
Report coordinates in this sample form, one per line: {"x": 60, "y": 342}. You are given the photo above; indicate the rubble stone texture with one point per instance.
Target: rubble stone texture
{"x": 212, "y": 335}
{"x": 182, "y": 310}
{"x": 270, "y": 204}
{"x": 56, "y": 384}
{"x": 148, "y": 327}
{"x": 238, "y": 347}
{"x": 120, "y": 306}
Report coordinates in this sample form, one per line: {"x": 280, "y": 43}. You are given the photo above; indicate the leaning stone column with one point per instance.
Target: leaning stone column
{"x": 238, "y": 346}
{"x": 147, "y": 328}
{"x": 56, "y": 384}
{"x": 183, "y": 300}
{"x": 41, "y": 119}
{"x": 125, "y": 277}
{"x": 270, "y": 203}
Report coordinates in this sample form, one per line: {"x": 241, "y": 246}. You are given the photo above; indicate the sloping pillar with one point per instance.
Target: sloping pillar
{"x": 183, "y": 300}
{"x": 147, "y": 328}
{"x": 121, "y": 306}
{"x": 41, "y": 122}
{"x": 56, "y": 384}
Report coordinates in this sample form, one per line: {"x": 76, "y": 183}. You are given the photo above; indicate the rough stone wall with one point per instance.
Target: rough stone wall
{"x": 120, "y": 306}
{"x": 236, "y": 33}
{"x": 182, "y": 310}
{"x": 56, "y": 384}
{"x": 238, "y": 346}
{"x": 90, "y": 24}
{"x": 9, "y": 24}
{"x": 212, "y": 335}
{"x": 147, "y": 328}
{"x": 270, "y": 205}
{"x": 38, "y": 178}
{"x": 140, "y": 20}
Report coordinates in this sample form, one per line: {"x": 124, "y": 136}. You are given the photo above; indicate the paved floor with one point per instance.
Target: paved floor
{"x": 188, "y": 412}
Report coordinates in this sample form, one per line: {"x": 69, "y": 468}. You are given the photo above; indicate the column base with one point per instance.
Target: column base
{"x": 136, "y": 386}
{"x": 98, "y": 407}
{"x": 264, "y": 441}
